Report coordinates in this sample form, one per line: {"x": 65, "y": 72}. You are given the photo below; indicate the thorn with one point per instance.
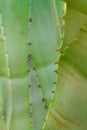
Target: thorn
{"x": 55, "y": 71}
{"x": 43, "y": 99}
{"x": 45, "y": 120}
{"x": 34, "y": 68}
{"x": 46, "y": 106}
{"x": 30, "y": 58}
{"x": 39, "y": 86}
{"x": 55, "y": 63}
{"x": 30, "y": 20}
{"x": 62, "y": 26}
{"x": 36, "y": 75}
{"x": 29, "y": 43}
{"x": 30, "y": 104}
{"x": 54, "y": 82}
{"x": 58, "y": 49}
{"x": 31, "y": 114}
{"x": 29, "y": 85}
{"x": 28, "y": 70}
{"x": 53, "y": 91}
{"x": 29, "y": 55}
{"x": 62, "y": 17}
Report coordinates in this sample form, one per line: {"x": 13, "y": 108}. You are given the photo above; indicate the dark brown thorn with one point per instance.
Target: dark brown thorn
{"x": 29, "y": 85}
{"x": 55, "y": 71}
{"x": 29, "y": 58}
{"x": 46, "y": 106}
{"x": 30, "y": 20}
{"x": 31, "y": 115}
{"x": 28, "y": 70}
{"x": 55, "y": 63}
{"x": 43, "y": 99}
{"x": 54, "y": 82}
{"x": 29, "y": 43}
{"x": 29, "y": 55}
{"x": 53, "y": 91}
{"x": 34, "y": 68}
{"x": 39, "y": 86}
{"x": 30, "y": 104}
{"x": 58, "y": 49}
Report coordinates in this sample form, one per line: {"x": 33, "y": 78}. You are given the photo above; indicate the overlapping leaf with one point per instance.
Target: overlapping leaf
{"x": 69, "y": 109}
{"x": 14, "y": 64}
{"x": 44, "y": 43}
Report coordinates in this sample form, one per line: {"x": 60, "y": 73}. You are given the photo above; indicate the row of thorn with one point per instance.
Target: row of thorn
{"x": 56, "y": 63}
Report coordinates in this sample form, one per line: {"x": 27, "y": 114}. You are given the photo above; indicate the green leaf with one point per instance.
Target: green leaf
{"x": 44, "y": 40}
{"x": 69, "y": 108}
{"x": 15, "y": 16}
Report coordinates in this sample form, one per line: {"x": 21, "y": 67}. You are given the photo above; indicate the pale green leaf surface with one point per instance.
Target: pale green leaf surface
{"x": 2, "y": 124}
{"x": 3, "y": 73}
{"x": 3, "y": 63}
{"x": 45, "y": 37}
{"x": 38, "y": 110}
{"x": 44, "y": 32}
{"x": 15, "y": 22}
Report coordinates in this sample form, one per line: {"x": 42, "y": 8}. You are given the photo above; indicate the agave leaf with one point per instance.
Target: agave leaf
{"x": 3, "y": 64}
{"x": 3, "y": 73}
{"x": 2, "y": 123}
{"x": 69, "y": 108}
{"x": 38, "y": 110}
{"x": 61, "y": 7}
{"x": 44, "y": 39}
{"x": 78, "y": 5}
{"x": 44, "y": 32}
{"x": 15, "y": 20}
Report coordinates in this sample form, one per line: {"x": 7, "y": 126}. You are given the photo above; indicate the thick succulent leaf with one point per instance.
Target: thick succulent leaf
{"x": 3, "y": 73}
{"x": 38, "y": 110}
{"x": 15, "y": 21}
{"x": 44, "y": 32}
{"x": 78, "y": 5}
{"x": 44, "y": 39}
{"x": 3, "y": 64}
{"x": 69, "y": 108}
{"x": 2, "y": 123}
{"x": 61, "y": 7}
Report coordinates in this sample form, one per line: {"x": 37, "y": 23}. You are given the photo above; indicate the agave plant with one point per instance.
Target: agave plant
{"x": 42, "y": 81}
